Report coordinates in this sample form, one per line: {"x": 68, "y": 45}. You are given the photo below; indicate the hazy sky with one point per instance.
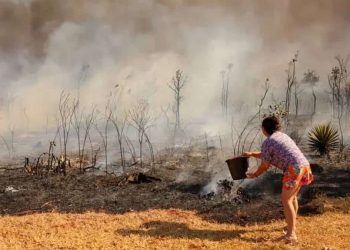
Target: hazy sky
{"x": 140, "y": 45}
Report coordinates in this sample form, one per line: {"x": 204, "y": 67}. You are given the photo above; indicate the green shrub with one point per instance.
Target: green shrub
{"x": 323, "y": 139}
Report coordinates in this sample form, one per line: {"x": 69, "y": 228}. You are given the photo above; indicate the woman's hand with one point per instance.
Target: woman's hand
{"x": 252, "y": 154}
{"x": 263, "y": 167}
{"x": 248, "y": 154}
{"x": 251, "y": 176}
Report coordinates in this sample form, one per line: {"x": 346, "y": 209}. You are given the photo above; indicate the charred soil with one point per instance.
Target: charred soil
{"x": 22, "y": 193}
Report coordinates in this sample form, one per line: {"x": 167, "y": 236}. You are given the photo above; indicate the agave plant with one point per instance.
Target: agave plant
{"x": 323, "y": 139}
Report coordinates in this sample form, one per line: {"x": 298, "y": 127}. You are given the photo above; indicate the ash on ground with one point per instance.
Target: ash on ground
{"x": 238, "y": 191}
{"x": 182, "y": 183}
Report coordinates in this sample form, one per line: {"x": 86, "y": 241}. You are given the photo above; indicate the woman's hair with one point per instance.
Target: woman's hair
{"x": 271, "y": 124}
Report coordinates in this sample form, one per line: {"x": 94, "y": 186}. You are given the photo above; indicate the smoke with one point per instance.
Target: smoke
{"x": 220, "y": 171}
{"x": 138, "y": 45}
{"x": 213, "y": 184}
{"x": 183, "y": 176}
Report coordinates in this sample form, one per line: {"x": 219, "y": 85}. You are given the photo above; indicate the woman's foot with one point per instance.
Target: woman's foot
{"x": 288, "y": 239}
{"x": 285, "y": 229}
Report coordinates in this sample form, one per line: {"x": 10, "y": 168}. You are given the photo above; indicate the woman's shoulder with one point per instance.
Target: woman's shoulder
{"x": 267, "y": 141}
{"x": 279, "y": 134}
{"x": 283, "y": 138}
{"x": 275, "y": 138}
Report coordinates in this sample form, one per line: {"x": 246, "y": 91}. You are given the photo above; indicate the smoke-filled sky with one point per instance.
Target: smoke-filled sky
{"x": 139, "y": 44}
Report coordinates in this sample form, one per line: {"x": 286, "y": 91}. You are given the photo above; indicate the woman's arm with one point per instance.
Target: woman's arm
{"x": 262, "y": 169}
{"x": 254, "y": 154}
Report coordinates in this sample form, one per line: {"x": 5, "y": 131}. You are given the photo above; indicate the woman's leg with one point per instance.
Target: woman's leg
{"x": 293, "y": 179}
{"x": 295, "y": 203}
{"x": 288, "y": 198}
{"x": 296, "y": 207}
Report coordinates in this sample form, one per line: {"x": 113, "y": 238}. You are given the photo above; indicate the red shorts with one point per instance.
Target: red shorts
{"x": 297, "y": 177}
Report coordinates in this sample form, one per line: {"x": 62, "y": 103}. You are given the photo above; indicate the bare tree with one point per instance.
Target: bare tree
{"x": 165, "y": 111}
{"x": 91, "y": 148}
{"x": 311, "y": 79}
{"x": 131, "y": 148}
{"x": 297, "y": 135}
{"x": 250, "y": 126}
{"x": 89, "y": 120}
{"x": 82, "y": 77}
{"x": 206, "y": 145}
{"x": 140, "y": 119}
{"x": 119, "y": 125}
{"x": 225, "y": 86}
{"x": 25, "y": 114}
{"x": 347, "y": 98}
{"x": 85, "y": 121}
{"x": 9, "y": 101}
{"x": 106, "y": 117}
{"x": 58, "y": 126}
{"x": 338, "y": 82}
{"x": 290, "y": 81}
{"x": 177, "y": 83}
{"x": 332, "y": 86}
{"x": 297, "y": 93}
{"x": 221, "y": 148}
{"x": 7, "y": 146}
{"x": 12, "y": 139}
{"x": 51, "y": 156}
{"x": 66, "y": 112}
{"x": 76, "y": 123}
{"x": 150, "y": 148}
{"x": 275, "y": 100}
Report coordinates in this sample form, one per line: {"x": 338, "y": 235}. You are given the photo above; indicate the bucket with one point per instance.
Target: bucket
{"x": 238, "y": 167}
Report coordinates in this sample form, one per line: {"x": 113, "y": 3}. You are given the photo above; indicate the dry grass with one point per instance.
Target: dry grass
{"x": 163, "y": 229}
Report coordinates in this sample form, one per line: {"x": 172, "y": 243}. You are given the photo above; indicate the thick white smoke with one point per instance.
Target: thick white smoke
{"x": 138, "y": 46}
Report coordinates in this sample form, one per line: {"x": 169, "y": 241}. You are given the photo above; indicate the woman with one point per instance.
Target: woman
{"x": 280, "y": 150}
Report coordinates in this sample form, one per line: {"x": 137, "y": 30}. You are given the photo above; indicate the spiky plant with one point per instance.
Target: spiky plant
{"x": 323, "y": 139}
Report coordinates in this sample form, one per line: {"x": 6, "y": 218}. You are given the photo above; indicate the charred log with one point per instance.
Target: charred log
{"x": 138, "y": 178}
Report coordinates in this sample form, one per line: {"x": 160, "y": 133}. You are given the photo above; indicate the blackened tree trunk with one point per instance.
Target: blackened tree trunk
{"x": 177, "y": 83}
{"x": 315, "y": 101}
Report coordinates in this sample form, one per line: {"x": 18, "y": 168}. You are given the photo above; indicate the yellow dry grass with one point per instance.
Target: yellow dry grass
{"x": 164, "y": 229}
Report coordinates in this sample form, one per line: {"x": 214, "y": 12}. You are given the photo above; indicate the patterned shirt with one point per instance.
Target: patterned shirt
{"x": 281, "y": 151}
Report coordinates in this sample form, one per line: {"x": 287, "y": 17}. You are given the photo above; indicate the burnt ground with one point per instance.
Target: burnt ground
{"x": 79, "y": 193}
